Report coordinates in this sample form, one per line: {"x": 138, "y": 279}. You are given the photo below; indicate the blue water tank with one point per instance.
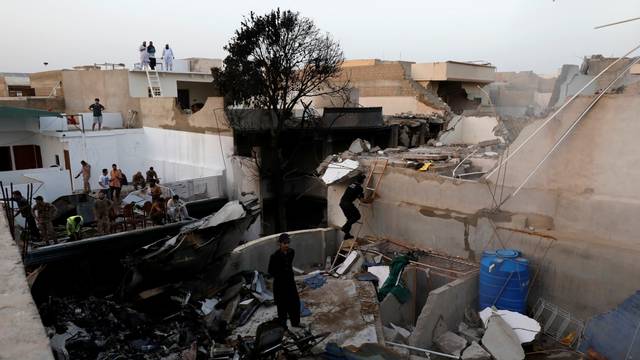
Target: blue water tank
{"x": 504, "y": 280}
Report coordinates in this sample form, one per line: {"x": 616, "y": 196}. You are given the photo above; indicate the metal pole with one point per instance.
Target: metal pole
{"x": 558, "y": 111}
{"x": 566, "y": 132}
{"x": 422, "y": 350}
{"x": 616, "y": 23}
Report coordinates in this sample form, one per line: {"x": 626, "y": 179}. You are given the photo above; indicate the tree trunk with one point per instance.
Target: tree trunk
{"x": 277, "y": 184}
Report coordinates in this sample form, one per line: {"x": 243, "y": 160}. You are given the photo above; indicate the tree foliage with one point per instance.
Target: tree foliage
{"x": 276, "y": 60}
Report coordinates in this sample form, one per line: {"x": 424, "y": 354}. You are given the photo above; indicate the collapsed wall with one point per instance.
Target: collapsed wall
{"x": 575, "y": 219}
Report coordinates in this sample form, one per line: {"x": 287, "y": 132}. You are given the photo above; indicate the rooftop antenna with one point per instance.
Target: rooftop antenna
{"x": 617, "y": 22}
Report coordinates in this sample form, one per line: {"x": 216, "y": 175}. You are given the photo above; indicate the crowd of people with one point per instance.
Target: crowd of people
{"x": 148, "y": 56}
{"x": 109, "y": 210}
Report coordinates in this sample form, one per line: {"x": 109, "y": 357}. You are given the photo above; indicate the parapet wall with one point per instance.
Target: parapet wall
{"x": 311, "y": 248}
{"x": 22, "y": 335}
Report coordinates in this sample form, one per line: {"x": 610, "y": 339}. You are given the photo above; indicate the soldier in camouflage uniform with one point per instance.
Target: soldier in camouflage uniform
{"x": 45, "y": 212}
{"x": 101, "y": 211}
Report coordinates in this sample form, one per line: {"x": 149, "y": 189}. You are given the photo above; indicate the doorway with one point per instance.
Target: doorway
{"x": 183, "y": 98}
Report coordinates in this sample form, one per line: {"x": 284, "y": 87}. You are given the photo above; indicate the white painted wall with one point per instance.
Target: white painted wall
{"x": 111, "y": 120}
{"x": 50, "y": 183}
{"x": 138, "y": 83}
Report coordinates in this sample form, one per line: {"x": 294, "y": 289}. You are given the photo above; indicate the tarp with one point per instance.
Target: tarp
{"x": 10, "y": 112}
{"x": 525, "y": 327}
{"x": 393, "y": 284}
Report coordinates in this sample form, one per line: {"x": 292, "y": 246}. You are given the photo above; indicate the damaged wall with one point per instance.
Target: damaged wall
{"x": 590, "y": 210}
{"x": 469, "y": 130}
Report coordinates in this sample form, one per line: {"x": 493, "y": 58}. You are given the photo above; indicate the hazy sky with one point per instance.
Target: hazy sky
{"x": 535, "y": 35}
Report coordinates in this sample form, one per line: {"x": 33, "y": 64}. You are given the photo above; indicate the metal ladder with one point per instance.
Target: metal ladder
{"x": 153, "y": 79}
{"x": 346, "y": 246}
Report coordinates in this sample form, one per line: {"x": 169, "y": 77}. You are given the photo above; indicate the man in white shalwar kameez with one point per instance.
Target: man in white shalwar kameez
{"x": 167, "y": 55}
{"x": 144, "y": 56}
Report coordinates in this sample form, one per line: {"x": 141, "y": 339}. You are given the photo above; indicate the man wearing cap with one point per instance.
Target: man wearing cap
{"x": 354, "y": 191}
{"x": 45, "y": 212}
{"x": 24, "y": 209}
{"x": 285, "y": 292}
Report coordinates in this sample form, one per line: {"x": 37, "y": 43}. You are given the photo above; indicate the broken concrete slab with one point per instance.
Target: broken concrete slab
{"x": 475, "y": 352}
{"x": 469, "y": 333}
{"x": 525, "y": 327}
{"x": 451, "y": 343}
{"x": 338, "y": 170}
{"x": 501, "y": 341}
{"x": 359, "y": 146}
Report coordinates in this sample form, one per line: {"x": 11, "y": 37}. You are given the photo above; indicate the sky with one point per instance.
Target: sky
{"x": 514, "y": 35}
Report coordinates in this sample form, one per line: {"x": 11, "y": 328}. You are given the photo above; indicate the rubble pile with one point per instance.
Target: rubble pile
{"x": 94, "y": 328}
{"x": 435, "y": 157}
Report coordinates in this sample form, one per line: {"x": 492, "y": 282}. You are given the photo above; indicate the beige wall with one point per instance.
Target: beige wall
{"x": 452, "y": 71}
{"x": 4, "y": 91}
{"x": 110, "y": 86}
{"x": 164, "y": 113}
{"x": 392, "y": 105}
{"x": 44, "y": 82}
{"x": 138, "y": 84}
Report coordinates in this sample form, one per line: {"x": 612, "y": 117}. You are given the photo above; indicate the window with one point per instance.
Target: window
{"x": 27, "y": 157}
{"x": 5, "y": 158}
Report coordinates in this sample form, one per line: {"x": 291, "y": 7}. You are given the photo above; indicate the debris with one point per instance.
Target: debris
{"x": 470, "y": 334}
{"x": 230, "y": 309}
{"x": 259, "y": 288}
{"x": 501, "y": 341}
{"x": 208, "y": 305}
{"x": 475, "y": 352}
{"x": 367, "y": 277}
{"x": 338, "y": 170}
{"x": 315, "y": 281}
{"x": 392, "y": 283}
{"x": 401, "y": 331}
{"x": 304, "y": 311}
{"x": 525, "y": 327}
{"x": 491, "y": 153}
{"x": 346, "y": 264}
{"x": 359, "y": 146}
{"x": 451, "y": 343}
{"x": 425, "y": 167}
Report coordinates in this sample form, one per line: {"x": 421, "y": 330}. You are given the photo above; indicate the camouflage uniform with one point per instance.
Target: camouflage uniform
{"x": 101, "y": 208}
{"x": 45, "y": 212}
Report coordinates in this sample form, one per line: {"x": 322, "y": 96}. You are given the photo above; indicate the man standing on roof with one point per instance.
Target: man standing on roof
{"x": 86, "y": 174}
{"x": 74, "y": 223}
{"x": 151, "y": 52}
{"x": 285, "y": 292}
{"x": 25, "y": 210}
{"x": 354, "y": 191}
{"x": 144, "y": 57}
{"x": 45, "y": 212}
{"x": 97, "y": 108}
{"x": 167, "y": 56}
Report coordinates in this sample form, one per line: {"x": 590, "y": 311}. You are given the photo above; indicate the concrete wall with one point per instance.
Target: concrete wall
{"x": 40, "y": 103}
{"x": 311, "y": 246}
{"x": 452, "y": 71}
{"x": 139, "y": 85}
{"x": 50, "y": 183}
{"x": 81, "y": 87}
{"x": 44, "y": 82}
{"x": 444, "y": 310}
{"x": 164, "y": 113}
{"x": 393, "y": 105}
{"x": 23, "y": 336}
{"x": 469, "y": 130}
{"x": 589, "y": 210}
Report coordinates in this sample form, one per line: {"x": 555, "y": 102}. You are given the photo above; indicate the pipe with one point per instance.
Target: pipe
{"x": 558, "y": 111}
{"x": 573, "y": 125}
{"x": 423, "y": 350}
{"x": 616, "y": 23}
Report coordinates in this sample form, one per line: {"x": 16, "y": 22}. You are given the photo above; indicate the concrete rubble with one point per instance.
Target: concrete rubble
{"x": 475, "y": 352}
{"x": 501, "y": 341}
{"x": 451, "y": 343}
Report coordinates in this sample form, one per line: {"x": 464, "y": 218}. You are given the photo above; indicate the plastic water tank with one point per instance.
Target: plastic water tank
{"x": 504, "y": 280}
